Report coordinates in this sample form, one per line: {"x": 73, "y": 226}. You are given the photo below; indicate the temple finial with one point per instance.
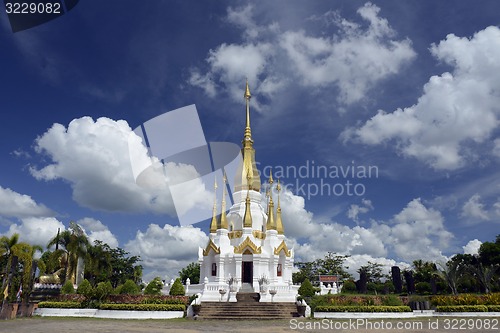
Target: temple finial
{"x": 279, "y": 222}
{"x": 213, "y": 224}
{"x": 223, "y": 219}
{"x": 247, "y": 92}
{"x": 271, "y": 225}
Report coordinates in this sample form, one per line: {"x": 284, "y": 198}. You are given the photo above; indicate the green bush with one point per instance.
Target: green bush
{"x": 162, "y": 300}
{"x": 129, "y": 287}
{"x": 423, "y": 288}
{"x": 177, "y": 288}
{"x": 103, "y": 290}
{"x": 85, "y": 289}
{"x": 349, "y": 287}
{"x": 154, "y": 287}
{"x": 372, "y": 308}
{"x": 306, "y": 289}
{"x": 462, "y": 308}
{"x": 391, "y": 300}
{"x": 493, "y": 308}
{"x": 143, "y": 307}
{"x": 60, "y": 305}
{"x": 67, "y": 288}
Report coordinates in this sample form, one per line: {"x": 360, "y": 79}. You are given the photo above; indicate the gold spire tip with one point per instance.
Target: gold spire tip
{"x": 247, "y": 91}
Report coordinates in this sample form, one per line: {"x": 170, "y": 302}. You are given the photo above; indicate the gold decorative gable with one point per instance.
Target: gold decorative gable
{"x": 258, "y": 234}
{"x": 211, "y": 246}
{"x": 247, "y": 243}
{"x": 235, "y": 234}
{"x": 282, "y": 247}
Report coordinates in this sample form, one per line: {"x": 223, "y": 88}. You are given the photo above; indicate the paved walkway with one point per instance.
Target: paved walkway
{"x": 68, "y": 325}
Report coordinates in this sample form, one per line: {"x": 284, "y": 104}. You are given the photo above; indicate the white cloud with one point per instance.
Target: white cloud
{"x": 472, "y": 247}
{"x": 473, "y": 210}
{"x": 36, "y": 230}
{"x": 93, "y": 156}
{"x": 455, "y": 109}
{"x": 166, "y": 250}
{"x": 354, "y": 61}
{"x": 95, "y": 230}
{"x": 13, "y": 204}
{"x": 355, "y": 210}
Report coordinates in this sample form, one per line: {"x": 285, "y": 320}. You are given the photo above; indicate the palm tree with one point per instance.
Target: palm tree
{"x": 75, "y": 246}
{"x": 484, "y": 275}
{"x": 6, "y": 251}
{"x": 98, "y": 262}
{"x": 450, "y": 273}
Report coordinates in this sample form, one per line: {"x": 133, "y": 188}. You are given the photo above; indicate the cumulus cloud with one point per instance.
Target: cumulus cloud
{"x": 354, "y": 60}
{"x": 93, "y": 156}
{"x": 456, "y": 109}
{"x": 473, "y": 210}
{"x": 95, "y": 230}
{"x": 13, "y": 204}
{"x": 166, "y": 250}
{"x": 36, "y": 230}
{"x": 355, "y": 210}
{"x": 472, "y": 247}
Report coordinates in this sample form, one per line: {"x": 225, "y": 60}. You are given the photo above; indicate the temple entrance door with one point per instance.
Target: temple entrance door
{"x": 247, "y": 271}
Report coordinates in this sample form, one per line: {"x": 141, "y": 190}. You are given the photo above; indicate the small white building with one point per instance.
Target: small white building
{"x": 247, "y": 249}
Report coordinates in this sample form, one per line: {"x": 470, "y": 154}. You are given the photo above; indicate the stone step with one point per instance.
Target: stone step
{"x": 247, "y": 297}
{"x": 225, "y": 310}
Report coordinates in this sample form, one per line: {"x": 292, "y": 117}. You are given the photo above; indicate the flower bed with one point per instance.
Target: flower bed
{"x": 143, "y": 307}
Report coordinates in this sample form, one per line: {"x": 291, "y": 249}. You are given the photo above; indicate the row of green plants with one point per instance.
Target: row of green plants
{"x": 362, "y": 308}
{"x": 114, "y": 306}
{"x": 466, "y": 299}
{"x": 468, "y": 308}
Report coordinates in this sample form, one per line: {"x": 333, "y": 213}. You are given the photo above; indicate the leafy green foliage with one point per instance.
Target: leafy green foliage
{"x": 60, "y": 305}
{"x": 332, "y": 264}
{"x": 177, "y": 288}
{"x": 191, "y": 271}
{"x": 462, "y": 308}
{"x": 306, "y": 289}
{"x": 143, "y": 307}
{"x": 85, "y": 288}
{"x": 68, "y": 288}
{"x": 349, "y": 287}
{"x": 372, "y": 308}
{"x": 103, "y": 290}
{"x": 129, "y": 287}
{"x": 154, "y": 287}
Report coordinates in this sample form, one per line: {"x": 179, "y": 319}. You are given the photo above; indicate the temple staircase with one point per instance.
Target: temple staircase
{"x": 247, "y": 307}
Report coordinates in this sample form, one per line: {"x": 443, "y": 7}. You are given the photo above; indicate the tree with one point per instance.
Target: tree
{"x": 306, "y": 289}
{"x": 98, "y": 262}
{"x": 191, "y": 271}
{"x": 177, "y": 289}
{"x": 129, "y": 287}
{"x": 103, "y": 290}
{"x": 373, "y": 272}
{"x": 489, "y": 253}
{"x": 450, "y": 273}
{"x": 67, "y": 288}
{"x": 85, "y": 288}
{"x": 332, "y": 264}
{"x": 154, "y": 287}
{"x": 423, "y": 270}
{"x": 485, "y": 275}
{"x": 75, "y": 245}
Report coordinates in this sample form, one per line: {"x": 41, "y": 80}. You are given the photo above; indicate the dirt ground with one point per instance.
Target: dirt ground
{"x": 80, "y": 325}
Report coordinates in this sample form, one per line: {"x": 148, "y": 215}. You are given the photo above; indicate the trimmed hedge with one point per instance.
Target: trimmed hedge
{"x": 466, "y": 299}
{"x": 143, "y": 307}
{"x": 60, "y": 305}
{"x": 462, "y": 308}
{"x": 493, "y": 308}
{"x": 372, "y": 308}
{"x": 147, "y": 299}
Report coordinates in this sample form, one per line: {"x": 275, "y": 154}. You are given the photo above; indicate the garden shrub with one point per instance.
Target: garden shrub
{"x": 154, "y": 287}
{"x": 353, "y": 308}
{"x": 462, "y": 308}
{"x": 103, "y": 290}
{"x": 143, "y": 307}
{"x": 85, "y": 289}
{"x": 68, "y": 288}
{"x": 306, "y": 289}
{"x": 129, "y": 287}
{"x": 177, "y": 288}
{"x": 60, "y": 305}
{"x": 349, "y": 287}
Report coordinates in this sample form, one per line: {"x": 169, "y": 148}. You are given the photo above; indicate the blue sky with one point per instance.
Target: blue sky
{"x": 407, "y": 87}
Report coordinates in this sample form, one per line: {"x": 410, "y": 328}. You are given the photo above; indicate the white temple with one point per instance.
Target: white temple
{"x": 247, "y": 249}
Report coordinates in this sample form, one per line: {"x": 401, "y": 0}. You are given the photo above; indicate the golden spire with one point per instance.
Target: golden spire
{"x": 247, "y": 219}
{"x": 223, "y": 219}
{"x": 248, "y": 166}
{"x": 213, "y": 224}
{"x": 270, "y": 208}
{"x": 279, "y": 222}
